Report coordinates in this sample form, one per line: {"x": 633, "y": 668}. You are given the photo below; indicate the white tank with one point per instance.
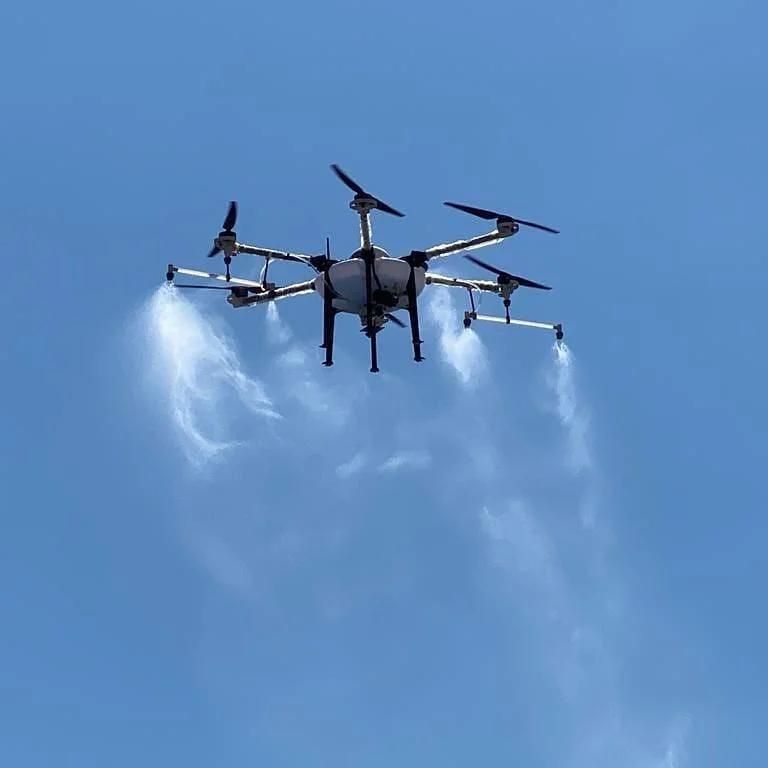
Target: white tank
{"x": 348, "y": 280}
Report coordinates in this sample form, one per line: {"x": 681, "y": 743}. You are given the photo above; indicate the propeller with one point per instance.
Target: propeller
{"x": 226, "y": 239}
{"x": 504, "y": 278}
{"x": 361, "y": 193}
{"x": 395, "y": 320}
{"x": 502, "y": 217}
{"x": 384, "y": 298}
{"x": 226, "y": 228}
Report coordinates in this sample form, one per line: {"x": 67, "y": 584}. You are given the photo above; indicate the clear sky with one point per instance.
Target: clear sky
{"x": 216, "y": 552}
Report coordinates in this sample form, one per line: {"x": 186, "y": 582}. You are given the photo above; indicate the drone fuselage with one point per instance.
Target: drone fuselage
{"x": 390, "y": 281}
{"x": 370, "y": 283}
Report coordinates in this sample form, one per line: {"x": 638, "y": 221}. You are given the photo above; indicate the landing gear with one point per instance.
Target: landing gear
{"x": 329, "y": 322}
{"x": 329, "y": 313}
{"x": 413, "y": 313}
{"x": 370, "y": 330}
{"x": 415, "y": 259}
{"x": 374, "y": 353}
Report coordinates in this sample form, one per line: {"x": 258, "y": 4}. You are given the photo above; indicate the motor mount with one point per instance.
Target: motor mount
{"x": 507, "y": 227}
{"x": 363, "y": 205}
{"x": 226, "y": 241}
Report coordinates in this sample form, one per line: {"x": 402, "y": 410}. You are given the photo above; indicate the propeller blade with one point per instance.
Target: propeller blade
{"x": 485, "y": 265}
{"x": 537, "y": 226}
{"x": 214, "y": 251}
{"x": 395, "y": 320}
{"x": 351, "y": 183}
{"x": 382, "y": 206}
{"x": 231, "y": 218}
{"x": 480, "y": 212}
{"x": 489, "y": 215}
{"x": 506, "y": 276}
{"x": 524, "y": 281}
{"x": 358, "y": 190}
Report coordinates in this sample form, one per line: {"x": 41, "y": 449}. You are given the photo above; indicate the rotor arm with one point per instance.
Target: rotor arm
{"x": 480, "y": 241}
{"x": 458, "y": 282}
{"x": 275, "y": 294}
{"x": 269, "y": 253}
{"x": 489, "y": 287}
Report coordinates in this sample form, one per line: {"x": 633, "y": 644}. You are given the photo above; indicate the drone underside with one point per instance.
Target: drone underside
{"x": 346, "y": 281}
{"x": 370, "y": 283}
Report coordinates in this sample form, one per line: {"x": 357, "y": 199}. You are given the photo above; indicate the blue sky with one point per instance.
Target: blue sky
{"x": 217, "y": 552}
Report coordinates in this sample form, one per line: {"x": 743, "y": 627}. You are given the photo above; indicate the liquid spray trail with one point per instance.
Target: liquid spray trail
{"x": 277, "y": 331}
{"x": 196, "y": 369}
{"x": 460, "y": 348}
{"x": 569, "y": 409}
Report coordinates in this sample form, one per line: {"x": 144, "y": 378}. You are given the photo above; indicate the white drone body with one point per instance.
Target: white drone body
{"x": 370, "y": 283}
{"x": 391, "y": 280}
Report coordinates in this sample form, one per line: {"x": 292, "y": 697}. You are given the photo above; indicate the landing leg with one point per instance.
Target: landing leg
{"x": 413, "y": 312}
{"x": 369, "y": 329}
{"x": 329, "y": 321}
{"x": 374, "y": 354}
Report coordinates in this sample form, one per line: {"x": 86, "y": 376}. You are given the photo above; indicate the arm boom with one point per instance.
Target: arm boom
{"x": 297, "y": 289}
{"x": 269, "y": 253}
{"x": 458, "y": 282}
{"x": 481, "y": 241}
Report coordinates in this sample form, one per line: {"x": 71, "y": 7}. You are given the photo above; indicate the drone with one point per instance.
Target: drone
{"x": 370, "y": 283}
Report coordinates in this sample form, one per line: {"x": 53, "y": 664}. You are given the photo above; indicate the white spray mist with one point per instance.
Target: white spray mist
{"x": 574, "y": 418}
{"x": 278, "y": 332}
{"x": 569, "y": 409}
{"x": 196, "y": 369}
{"x": 460, "y": 347}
